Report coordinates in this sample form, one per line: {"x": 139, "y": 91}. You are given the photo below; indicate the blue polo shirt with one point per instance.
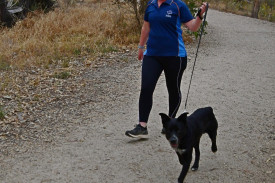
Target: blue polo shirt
{"x": 165, "y": 37}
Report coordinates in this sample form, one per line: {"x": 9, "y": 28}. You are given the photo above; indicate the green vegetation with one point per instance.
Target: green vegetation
{"x": 4, "y": 64}
{"x": 62, "y": 75}
{"x": 262, "y": 9}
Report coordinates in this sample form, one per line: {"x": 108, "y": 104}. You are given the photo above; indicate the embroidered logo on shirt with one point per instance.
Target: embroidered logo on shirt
{"x": 169, "y": 13}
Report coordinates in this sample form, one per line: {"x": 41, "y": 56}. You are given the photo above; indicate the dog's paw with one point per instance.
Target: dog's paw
{"x": 194, "y": 168}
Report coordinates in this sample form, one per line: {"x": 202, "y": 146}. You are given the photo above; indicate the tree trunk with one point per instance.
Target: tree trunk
{"x": 135, "y": 7}
{"x": 256, "y": 8}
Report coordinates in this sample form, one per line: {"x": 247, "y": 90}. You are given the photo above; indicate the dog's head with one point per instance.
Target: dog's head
{"x": 175, "y": 129}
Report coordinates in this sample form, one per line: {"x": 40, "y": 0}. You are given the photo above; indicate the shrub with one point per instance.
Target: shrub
{"x": 63, "y": 33}
{"x": 62, "y": 75}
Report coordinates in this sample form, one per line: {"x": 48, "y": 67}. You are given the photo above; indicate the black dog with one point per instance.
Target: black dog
{"x": 184, "y": 134}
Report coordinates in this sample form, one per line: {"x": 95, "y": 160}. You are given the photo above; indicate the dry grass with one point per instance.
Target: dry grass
{"x": 243, "y": 8}
{"x": 89, "y": 30}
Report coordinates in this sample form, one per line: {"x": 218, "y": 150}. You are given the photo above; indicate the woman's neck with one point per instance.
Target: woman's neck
{"x": 160, "y": 2}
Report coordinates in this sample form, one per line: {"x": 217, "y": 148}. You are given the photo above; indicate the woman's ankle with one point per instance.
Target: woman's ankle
{"x": 143, "y": 124}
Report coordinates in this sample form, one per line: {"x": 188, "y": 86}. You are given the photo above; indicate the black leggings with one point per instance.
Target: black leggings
{"x": 152, "y": 67}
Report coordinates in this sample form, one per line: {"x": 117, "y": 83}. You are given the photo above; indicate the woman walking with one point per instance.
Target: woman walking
{"x": 166, "y": 52}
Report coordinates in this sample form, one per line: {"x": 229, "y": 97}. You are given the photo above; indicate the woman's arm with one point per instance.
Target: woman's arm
{"x": 143, "y": 38}
{"x": 194, "y": 25}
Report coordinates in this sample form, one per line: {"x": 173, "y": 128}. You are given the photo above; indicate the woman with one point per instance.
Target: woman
{"x": 166, "y": 52}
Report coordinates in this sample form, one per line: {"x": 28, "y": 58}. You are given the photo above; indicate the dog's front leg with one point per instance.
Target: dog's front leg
{"x": 185, "y": 161}
{"x": 197, "y": 156}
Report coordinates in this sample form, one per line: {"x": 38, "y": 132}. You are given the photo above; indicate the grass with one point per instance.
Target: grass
{"x": 88, "y": 30}
{"x": 94, "y": 28}
{"x": 4, "y": 64}
{"x": 242, "y": 7}
{"x": 5, "y": 82}
{"x": 62, "y": 75}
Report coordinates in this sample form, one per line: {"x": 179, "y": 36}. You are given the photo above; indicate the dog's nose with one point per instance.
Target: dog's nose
{"x": 173, "y": 140}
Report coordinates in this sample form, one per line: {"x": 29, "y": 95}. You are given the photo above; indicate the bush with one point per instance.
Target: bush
{"x": 62, "y": 75}
{"x": 193, "y": 6}
{"x": 246, "y": 8}
{"x": 139, "y": 7}
{"x": 41, "y": 40}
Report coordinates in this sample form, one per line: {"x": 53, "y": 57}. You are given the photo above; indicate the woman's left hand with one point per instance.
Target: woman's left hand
{"x": 203, "y": 8}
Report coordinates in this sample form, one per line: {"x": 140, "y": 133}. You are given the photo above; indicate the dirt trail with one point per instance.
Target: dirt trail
{"x": 234, "y": 74}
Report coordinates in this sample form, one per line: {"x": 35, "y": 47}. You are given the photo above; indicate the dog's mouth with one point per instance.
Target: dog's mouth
{"x": 174, "y": 141}
{"x": 174, "y": 145}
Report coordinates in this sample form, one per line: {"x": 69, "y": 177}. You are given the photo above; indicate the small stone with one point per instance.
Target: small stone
{"x": 7, "y": 97}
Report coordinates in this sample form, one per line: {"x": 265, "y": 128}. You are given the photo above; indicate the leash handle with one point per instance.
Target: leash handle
{"x": 207, "y": 6}
{"x": 203, "y": 24}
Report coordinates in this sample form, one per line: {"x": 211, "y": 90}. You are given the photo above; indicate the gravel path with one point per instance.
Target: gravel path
{"x": 234, "y": 74}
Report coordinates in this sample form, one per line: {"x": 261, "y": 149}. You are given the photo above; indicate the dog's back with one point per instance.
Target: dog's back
{"x": 204, "y": 119}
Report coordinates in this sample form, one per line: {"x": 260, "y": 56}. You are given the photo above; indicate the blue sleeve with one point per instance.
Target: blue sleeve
{"x": 185, "y": 14}
{"x": 146, "y": 15}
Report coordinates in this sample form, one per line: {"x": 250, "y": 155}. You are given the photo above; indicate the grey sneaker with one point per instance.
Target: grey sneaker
{"x": 137, "y": 132}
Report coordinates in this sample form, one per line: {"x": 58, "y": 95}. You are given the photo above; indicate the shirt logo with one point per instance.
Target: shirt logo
{"x": 169, "y": 13}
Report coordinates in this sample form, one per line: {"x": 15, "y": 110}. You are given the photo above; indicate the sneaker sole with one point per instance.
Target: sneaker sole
{"x": 137, "y": 136}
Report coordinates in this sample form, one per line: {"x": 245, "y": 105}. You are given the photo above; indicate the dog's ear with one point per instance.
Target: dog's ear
{"x": 165, "y": 119}
{"x": 183, "y": 117}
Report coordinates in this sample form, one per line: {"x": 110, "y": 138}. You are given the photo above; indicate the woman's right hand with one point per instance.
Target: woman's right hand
{"x": 140, "y": 54}
{"x": 143, "y": 39}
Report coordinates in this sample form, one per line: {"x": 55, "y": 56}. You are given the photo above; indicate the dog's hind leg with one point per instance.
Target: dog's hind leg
{"x": 213, "y": 136}
{"x": 197, "y": 156}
